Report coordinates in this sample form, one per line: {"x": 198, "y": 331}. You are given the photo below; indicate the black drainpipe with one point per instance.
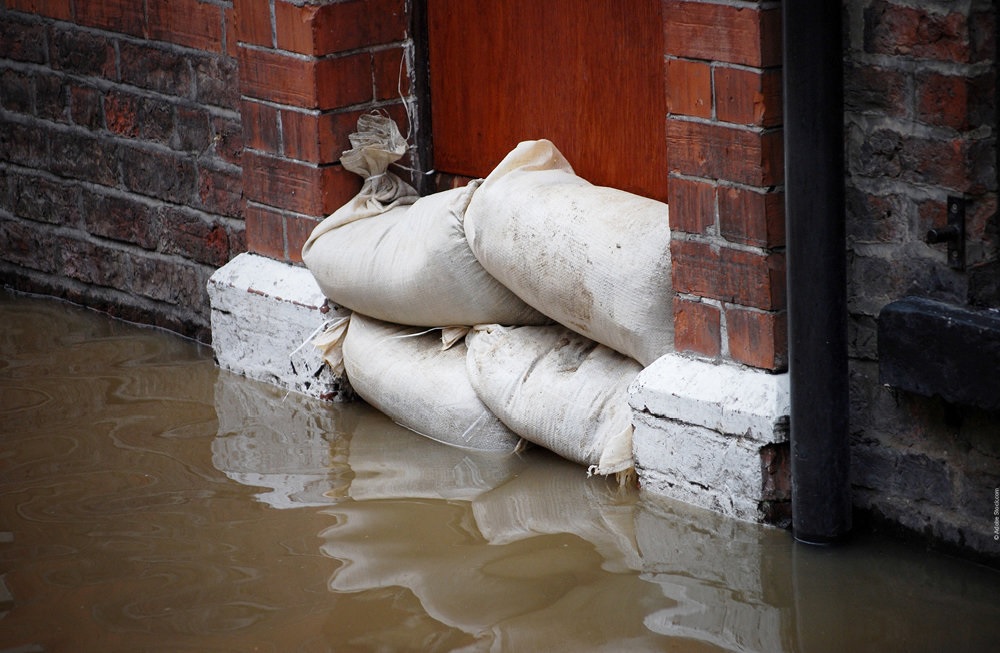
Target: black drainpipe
{"x": 816, "y": 265}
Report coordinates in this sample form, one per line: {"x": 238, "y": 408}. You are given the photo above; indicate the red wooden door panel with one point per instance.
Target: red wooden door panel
{"x": 587, "y": 75}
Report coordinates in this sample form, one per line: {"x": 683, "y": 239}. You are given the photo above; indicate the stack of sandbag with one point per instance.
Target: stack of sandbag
{"x": 531, "y": 246}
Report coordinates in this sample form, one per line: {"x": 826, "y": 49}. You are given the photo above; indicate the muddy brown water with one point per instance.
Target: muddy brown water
{"x": 150, "y": 502}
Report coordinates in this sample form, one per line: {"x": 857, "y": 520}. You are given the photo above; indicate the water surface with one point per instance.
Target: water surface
{"x": 150, "y": 502}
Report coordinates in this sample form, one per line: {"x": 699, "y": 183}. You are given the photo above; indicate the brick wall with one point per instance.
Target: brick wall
{"x": 920, "y": 120}
{"x": 726, "y": 169}
{"x": 120, "y": 153}
{"x": 307, "y": 71}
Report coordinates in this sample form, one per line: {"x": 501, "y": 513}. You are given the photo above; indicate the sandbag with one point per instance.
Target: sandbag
{"x": 404, "y": 372}
{"x": 411, "y": 265}
{"x": 557, "y": 389}
{"x": 595, "y": 259}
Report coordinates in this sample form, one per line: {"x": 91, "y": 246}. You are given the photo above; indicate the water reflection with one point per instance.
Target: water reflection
{"x": 150, "y": 502}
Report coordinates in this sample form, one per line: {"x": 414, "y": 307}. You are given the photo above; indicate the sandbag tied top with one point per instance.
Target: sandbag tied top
{"x": 594, "y": 259}
{"x": 374, "y": 147}
{"x": 403, "y": 372}
{"x": 557, "y": 389}
{"x": 412, "y": 265}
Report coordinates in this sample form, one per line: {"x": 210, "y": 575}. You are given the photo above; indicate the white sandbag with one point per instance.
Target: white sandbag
{"x": 594, "y": 259}
{"x": 557, "y": 389}
{"x": 404, "y": 373}
{"x": 411, "y": 265}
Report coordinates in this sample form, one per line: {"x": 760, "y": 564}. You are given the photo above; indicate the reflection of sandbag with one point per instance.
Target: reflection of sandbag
{"x": 411, "y": 265}
{"x": 405, "y": 374}
{"x": 557, "y": 389}
{"x": 557, "y": 498}
{"x": 595, "y": 259}
{"x": 389, "y": 463}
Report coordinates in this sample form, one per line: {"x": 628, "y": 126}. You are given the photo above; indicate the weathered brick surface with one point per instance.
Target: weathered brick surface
{"x": 118, "y": 118}
{"x": 921, "y": 124}
{"x": 721, "y": 32}
{"x": 725, "y": 148}
{"x": 697, "y": 327}
{"x": 757, "y": 338}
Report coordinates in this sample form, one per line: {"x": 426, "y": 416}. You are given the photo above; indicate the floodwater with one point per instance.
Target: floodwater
{"x": 150, "y": 502}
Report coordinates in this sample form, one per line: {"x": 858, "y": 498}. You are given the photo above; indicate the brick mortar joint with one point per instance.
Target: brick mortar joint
{"x": 711, "y": 122}
{"x": 908, "y": 128}
{"x": 718, "y": 243}
{"x": 912, "y": 65}
{"x": 118, "y": 193}
{"x": 727, "y": 65}
{"x": 112, "y": 36}
{"x": 329, "y": 56}
{"x": 104, "y": 85}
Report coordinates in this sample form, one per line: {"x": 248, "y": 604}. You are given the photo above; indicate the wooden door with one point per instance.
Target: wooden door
{"x": 586, "y": 74}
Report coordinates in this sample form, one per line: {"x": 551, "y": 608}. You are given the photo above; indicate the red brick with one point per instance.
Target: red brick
{"x": 692, "y": 205}
{"x": 758, "y": 338}
{"x": 392, "y": 79}
{"x": 18, "y": 91}
{"x": 125, "y": 16}
{"x": 752, "y": 218}
{"x": 164, "y": 70}
{"x": 751, "y": 157}
{"x": 316, "y": 137}
{"x": 221, "y": 192}
{"x": 230, "y": 30}
{"x": 121, "y": 114}
{"x": 306, "y": 82}
{"x": 227, "y": 139}
{"x": 83, "y": 53}
{"x": 297, "y": 231}
{"x": 339, "y": 27}
{"x": 748, "y": 97}
{"x": 253, "y": 22}
{"x": 689, "y": 88}
{"x": 194, "y": 237}
{"x": 25, "y": 41}
{"x": 58, "y": 9}
{"x": 716, "y": 32}
{"x": 295, "y": 186}
{"x": 752, "y": 278}
{"x": 265, "y": 232}
{"x": 871, "y": 89}
{"x": 694, "y": 268}
{"x": 260, "y": 127}
{"x": 85, "y": 107}
{"x": 894, "y": 29}
{"x": 953, "y": 101}
{"x": 696, "y": 327}
{"x": 187, "y": 22}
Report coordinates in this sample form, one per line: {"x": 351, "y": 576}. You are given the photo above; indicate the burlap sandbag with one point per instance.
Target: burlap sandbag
{"x": 594, "y": 259}
{"x": 405, "y": 373}
{"x": 412, "y": 265}
{"x": 557, "y": 389}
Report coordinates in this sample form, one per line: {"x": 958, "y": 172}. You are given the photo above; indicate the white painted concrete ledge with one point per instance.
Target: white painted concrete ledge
{"x": 699, "y": 429}
{"x": 264, "y": 313}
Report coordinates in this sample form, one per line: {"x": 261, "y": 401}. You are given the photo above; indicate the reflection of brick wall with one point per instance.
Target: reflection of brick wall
{"x": 306, "y": 73}
{"x": 120, "y": 154}
{"x": 725, "y": 153}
